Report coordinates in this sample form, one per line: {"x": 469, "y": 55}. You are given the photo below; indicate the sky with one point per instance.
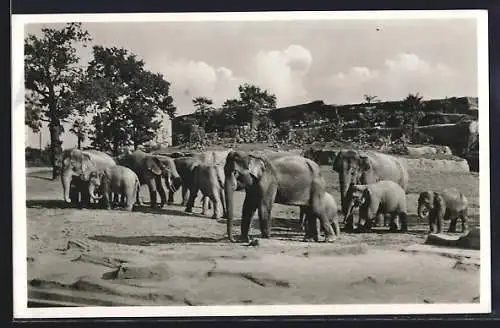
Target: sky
{"x": 337, "y": 61}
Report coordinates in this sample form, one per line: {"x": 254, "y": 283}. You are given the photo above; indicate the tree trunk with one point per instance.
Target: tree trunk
{"x": 55, "y": 147}
{"x": 79, "y": 143}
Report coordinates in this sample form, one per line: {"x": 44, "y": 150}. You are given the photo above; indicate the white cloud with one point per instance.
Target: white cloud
{"x": 192, "y": 79}
{"x": 400, "y": 75}
{"x": 408, "y": 62}
{"x": 282, "y": 72}
{"x": 298, "y": 58}
{"x": 279, "y": 71}
{"x": 356, "y": 76}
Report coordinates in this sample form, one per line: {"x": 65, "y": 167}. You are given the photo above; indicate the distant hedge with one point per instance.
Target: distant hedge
{"x": 36, "y": 158}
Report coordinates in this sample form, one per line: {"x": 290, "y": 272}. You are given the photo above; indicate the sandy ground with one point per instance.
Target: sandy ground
{"x": 99, "y": 257}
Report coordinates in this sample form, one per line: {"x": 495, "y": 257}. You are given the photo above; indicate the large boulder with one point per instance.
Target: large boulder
{"x": 470, "y": 240}
{"x": 435, "y": 165}
{"x": 419, "y": 151}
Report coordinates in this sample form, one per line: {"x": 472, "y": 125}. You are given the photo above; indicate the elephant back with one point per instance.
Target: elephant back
{"x": 102, "y": 160}
{"x": 387, "y": 167}
{"x": 454, "y": 198}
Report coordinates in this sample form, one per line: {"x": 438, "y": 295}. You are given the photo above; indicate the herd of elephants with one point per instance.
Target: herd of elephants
{"x": 372, "y": 186}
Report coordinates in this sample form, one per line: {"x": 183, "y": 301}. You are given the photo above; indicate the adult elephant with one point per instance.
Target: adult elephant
{"x": 366, "y": 167}
{"x": 150, "y": 170}
{"x": 76, "y": 165}
{"x": 289, "y": 180}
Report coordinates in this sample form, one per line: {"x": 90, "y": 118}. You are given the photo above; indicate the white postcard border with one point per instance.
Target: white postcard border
{"x": 19, "y": 177}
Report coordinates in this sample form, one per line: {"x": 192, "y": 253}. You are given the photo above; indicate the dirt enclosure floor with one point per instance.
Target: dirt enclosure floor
{"x": 167, "y": 257}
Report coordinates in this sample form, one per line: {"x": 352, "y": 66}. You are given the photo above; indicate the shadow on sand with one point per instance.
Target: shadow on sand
{"x": 151, "y": 240}
{"x": 47, "y": 203}
{"x": 164, "y": 211}
{"x": 60, "y": 204}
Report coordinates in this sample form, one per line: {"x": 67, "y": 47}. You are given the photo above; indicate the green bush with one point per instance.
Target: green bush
{"x": 35, "y": 157}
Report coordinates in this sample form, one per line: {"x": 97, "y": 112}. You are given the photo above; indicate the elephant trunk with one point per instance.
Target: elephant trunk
{"x": 176, "y": 183}
{"x": 66, "y": 178}
{"x": 92, "y": 192}
{"x": 423, "y": 211}
{"x": 229, "y": 187}
{"x": 345, "y": 181}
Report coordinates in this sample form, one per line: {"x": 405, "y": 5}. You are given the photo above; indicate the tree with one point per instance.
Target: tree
{"x": 232, "y": 112}
{"x": 204, "y": 110}
{"x": 129, "y": 100}
{"x": 80, "y": 129}
{"x": 370, "y": 99}
{"x": 51, "y": 70}
{"x": 413, "y": 107}
{"x": 255, "y": 101}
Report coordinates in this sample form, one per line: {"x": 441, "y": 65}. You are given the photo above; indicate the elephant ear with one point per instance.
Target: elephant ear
{"x": 155, "y": 166}
{"x": 366, "y": 196}
{"x": 87, "y": 164}
{"x": 256, "y": 168}
{"x": 364, "y": 163}
{"x": 337, "y": 162}
{"x": 65, "y": 161}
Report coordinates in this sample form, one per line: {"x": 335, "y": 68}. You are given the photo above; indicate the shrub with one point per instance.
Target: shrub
{"x": 420, "y": 138}
{"x": 36, "y": 157}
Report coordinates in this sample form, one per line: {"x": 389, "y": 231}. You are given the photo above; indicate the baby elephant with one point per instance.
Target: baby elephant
{"x": 209, "y": 179}
{"x": 330, "y": 208}
{"x": 450, "y": 204}
{"x": 378, "y": 199}
{"x": 119, "y": 180}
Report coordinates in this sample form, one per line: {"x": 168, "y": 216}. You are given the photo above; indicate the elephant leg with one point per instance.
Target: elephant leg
{"x": 349, "y": 223}
{"x": 393, "y": 225}
{"x": 316, "y": 208}
{"x": 215, "y": 198}
{"x": 205, "y": 204}
{"x": 138, "y": 196}
{"x": 185, "y": 191}
{"x": 380, "y": 220}
{"x": 403, "y": 219}
{"x": 302, "y": 214}
{"x": 116, "y": 199}
{"x": 129, "y": 200}
{"x": 192, "y": 197}
{"x": 453, "y": 225}
{"x": 439, "y": 225}
{"x": 74, "y": 193}
{"x": 85, "y": 196}
{"x": 249, "y": 207}
{"x": 266, "y": 204}
{"x": 439, "y": 221}
{"x": 336, "y": 226}
{"x": 106, "y": 199}
{"x": 170, "y": 197}
{"x": 222, "y": 202}
{"x": 311, "y": 226}
{"x": 432, "y": 224}
{"x": 152, "y": 192}
{"x": 161, "y": 191}
{"x": 464, "y": 221}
